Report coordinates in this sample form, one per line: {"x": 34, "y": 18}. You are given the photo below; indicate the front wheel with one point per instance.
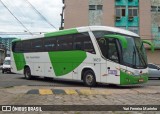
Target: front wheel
{"x": 27, "y": 73}
{"x": 89, "y": 78}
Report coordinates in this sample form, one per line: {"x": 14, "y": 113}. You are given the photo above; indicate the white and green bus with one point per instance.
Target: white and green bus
{"x": 93, "y": 54}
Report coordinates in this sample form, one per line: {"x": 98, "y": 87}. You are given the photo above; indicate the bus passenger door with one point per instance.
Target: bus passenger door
{"x": 113, "y": 72}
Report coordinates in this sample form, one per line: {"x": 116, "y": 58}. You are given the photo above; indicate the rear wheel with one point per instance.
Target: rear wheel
{"x": 89, "y": 78}
{"x": 27, "y": 73}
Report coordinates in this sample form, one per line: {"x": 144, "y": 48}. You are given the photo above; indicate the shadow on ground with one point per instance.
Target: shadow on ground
{"x": 68, "y": 83}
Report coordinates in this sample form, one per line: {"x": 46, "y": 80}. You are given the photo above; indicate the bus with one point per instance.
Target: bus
{"x": 93, "y": 54}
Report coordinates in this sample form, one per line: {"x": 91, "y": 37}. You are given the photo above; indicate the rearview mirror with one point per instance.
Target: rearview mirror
{"x": 149, "y": 43}
{"x": 119, "y": 37}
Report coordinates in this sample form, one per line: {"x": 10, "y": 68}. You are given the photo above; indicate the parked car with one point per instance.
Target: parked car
{"x": 6, "y": 67}
{"x": 154, "y": 71}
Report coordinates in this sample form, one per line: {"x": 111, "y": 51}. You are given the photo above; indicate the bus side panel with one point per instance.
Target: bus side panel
{"x": 17, "y": 62}
{"x": 91, "y": 64}
{"x": 103, "y": 74}
{"x": 65, "y": 62}
{"x": 39, "y": 64}
{"x": 113, "y": 73}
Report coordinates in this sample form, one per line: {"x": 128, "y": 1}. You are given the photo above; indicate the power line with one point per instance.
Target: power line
{"x": 15, "y": 16}
{"x": 40, "y": 14}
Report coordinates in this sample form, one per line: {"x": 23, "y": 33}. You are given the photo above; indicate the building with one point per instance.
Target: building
{"x": 2, "y": 53}
{"x": 134, "y": 15}
{"x": 7, "y": 42}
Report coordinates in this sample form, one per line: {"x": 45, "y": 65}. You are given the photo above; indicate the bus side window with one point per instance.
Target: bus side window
{"x": 83, "y": 42}
{"x": 26, "y": 46}
{"x": 49, "y": 44}
{"x": 37, "y": 45}
{"x": 16, "y": 47}
{"x": 113, "y": 51}
{"x": 65, "y": 43}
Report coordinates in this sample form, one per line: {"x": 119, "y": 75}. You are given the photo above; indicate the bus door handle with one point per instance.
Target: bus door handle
{"x": 108, "y": 68}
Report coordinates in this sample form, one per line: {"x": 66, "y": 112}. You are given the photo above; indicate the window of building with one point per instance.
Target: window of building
{"x": 92, "y": 7}
{"x": 158, "y": 8}
{"x": 153, "y": 8}
{"x": 159, "y": 29}
{"x": 99, "y": 7}
{"x": 95, "y": 7}
{"x": 133, "y": 11}
{"x": 120, "y": 12}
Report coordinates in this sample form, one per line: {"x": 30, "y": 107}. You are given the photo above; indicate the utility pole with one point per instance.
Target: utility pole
{"x": 62, "y": 17}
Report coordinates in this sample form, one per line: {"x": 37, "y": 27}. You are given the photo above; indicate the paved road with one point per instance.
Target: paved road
{"x": 8, "y": 80}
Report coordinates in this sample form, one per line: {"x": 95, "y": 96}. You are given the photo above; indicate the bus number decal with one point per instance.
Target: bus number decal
{"x": 97, "y": 59}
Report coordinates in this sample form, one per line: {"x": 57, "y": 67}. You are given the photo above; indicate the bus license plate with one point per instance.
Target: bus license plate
{"x": 141, "y": 80}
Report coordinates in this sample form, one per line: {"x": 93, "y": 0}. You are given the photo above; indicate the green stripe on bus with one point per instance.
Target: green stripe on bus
{"x": 66, "y": 61}
{"x": 61, "y": 32}
{"x": 19, "y": 60}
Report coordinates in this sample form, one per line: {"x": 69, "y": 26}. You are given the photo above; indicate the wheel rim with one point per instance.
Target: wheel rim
{"x": 89, "y": 79}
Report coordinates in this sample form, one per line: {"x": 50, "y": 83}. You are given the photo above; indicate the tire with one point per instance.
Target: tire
{"x": 2, "y": 71}
{"x": 89, "y": 78}
{"x": 27, "y": 73}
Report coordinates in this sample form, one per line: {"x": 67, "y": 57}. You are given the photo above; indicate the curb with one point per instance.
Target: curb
{"x": 68, "y": 92}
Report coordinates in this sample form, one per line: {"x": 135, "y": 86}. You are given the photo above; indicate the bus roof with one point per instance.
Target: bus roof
{"x": 82, "y": 29}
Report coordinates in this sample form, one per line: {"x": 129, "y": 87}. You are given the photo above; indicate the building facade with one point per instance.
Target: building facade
{"x": 7, "y": 42}
{"x": 134, "y": 15}
{"x": 2, "y": 53}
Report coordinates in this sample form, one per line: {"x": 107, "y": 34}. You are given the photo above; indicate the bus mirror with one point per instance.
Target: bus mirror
{"x": 119, "y": 37}
{"x": 149, "y": 43}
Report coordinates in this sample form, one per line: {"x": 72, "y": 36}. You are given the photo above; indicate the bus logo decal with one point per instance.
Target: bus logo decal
{"x": 114, "y": 72}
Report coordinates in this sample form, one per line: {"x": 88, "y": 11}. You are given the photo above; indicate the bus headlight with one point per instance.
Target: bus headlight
{"x": 130, "y": 73}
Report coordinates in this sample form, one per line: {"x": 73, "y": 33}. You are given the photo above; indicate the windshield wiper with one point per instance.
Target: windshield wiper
{"x": 141, "y": 57}
{"x": 134, "y": 57}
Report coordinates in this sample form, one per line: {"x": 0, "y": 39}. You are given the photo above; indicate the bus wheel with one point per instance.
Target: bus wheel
{"x": 89, "y": 78}
{"x": 3, "y": 71}
{"x": 27, "y": 73}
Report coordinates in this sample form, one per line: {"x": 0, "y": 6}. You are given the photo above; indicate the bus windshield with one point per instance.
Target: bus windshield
{"x": 133, "y": 56}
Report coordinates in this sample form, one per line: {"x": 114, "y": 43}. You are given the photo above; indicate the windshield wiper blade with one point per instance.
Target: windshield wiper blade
{"x": 141, "y": 57}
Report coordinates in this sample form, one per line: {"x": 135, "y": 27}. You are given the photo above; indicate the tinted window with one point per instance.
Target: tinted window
{"x": 65, "y": 43}
{"x": 50, "y": 44}
{"x": 113, "y": 51}
{"x": 152, "y": 66}
{"x": 26, "y": 46}
{"x": 83, "y": 42}
{"x": 37, "y": 45}
{"x": 16, "y": 47}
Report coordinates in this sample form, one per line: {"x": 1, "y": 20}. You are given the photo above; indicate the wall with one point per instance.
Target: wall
{"x": 145, "y": 19}
{"x": 76, "y": 13}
